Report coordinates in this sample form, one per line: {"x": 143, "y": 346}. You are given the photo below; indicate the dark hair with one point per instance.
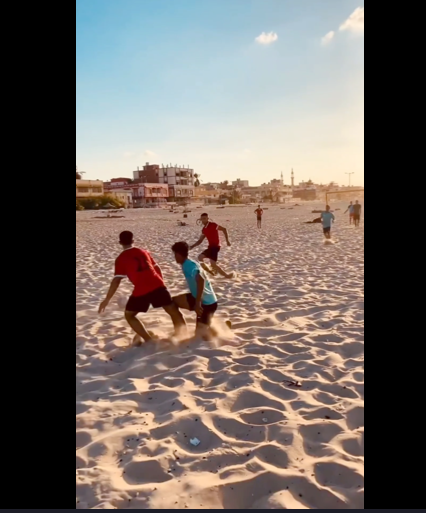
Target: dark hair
{"x": 204, "y": 215}
{"x": 181, "y": 248}
{"x": 126, "y": 238}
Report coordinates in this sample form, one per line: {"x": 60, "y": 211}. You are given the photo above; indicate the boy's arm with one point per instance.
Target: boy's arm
{"x": 225, "y": 232}
{"x": 112, "y": 290}
{"x": 200, "y": 291}
{"x": 199, "y": 241}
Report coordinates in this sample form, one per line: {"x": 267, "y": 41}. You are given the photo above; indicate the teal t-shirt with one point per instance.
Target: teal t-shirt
{"x": 190, "y": 270}
{"x": 326, "y": 218}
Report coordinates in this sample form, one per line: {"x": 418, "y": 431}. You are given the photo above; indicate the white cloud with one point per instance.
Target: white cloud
{"x": 266, "y": 38}
{"x": 327, "y": 38}
{"x": 150, "y": 154}
{"x": 355, "y": 22}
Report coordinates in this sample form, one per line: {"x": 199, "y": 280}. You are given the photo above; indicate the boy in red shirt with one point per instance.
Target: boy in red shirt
{"x": 140, "y": 268}
{"x": 259, "y": 213}
{"x": 210, "y": 232}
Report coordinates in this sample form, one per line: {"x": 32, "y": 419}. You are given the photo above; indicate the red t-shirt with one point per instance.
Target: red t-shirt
{"x": 138, "y": 265}
{"x": 212, "y": 234}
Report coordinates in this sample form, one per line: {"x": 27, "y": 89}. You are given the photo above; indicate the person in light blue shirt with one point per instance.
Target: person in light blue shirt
{"x": 351, "y": 210}
{"x": 201, "y": 297}
{"x": 327, "y": 218}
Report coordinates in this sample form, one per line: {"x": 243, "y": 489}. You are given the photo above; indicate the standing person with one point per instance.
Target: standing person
{"x": 327, "y": 218}
{"x": 149, "y": 288}
{"x": 350, "y": 209}
{"x": 259, "y": 213}
{"x": 210, "y": 232}
{"x": 201, "y": 298}
{"x": 357, "y": 213}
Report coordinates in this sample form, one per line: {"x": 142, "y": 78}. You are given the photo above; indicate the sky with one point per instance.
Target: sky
{"x": 231, "y": 88}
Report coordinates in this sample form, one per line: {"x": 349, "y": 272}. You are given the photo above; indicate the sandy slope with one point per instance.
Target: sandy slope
{"x": 297, "y": 311}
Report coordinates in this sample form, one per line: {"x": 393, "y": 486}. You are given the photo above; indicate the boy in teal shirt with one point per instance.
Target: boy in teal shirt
{"x": 201, "y": 298}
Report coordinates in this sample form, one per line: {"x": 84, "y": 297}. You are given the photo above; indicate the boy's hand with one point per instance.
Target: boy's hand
{"x": 103, "y": 306}
{"x": 199, "y": 309}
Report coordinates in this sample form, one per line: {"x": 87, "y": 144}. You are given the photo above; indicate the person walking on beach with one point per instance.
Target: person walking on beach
{"x": 327, "y": 218}
{"x": 259, "y": 213}
{"x": 357, "y": 213}
{"x": 149, "y": 289}
{"x": 210, "y": 232}
{"x": 201, "y": 298}
{"x": 350, "y": 209}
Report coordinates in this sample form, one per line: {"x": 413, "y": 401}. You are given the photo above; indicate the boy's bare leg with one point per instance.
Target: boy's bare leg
{"x": 219, "y": 270}
{"x": 137, "y": 326}
{"x": 204, "y": 266}
{"x": 177, "y": 318}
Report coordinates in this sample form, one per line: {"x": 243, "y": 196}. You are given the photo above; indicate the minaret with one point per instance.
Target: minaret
{"x": 282, "y": 178}
{"x": 292, "y": 178}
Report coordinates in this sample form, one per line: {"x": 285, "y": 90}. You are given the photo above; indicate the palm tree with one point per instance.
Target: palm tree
{"x": 197, "y": 182}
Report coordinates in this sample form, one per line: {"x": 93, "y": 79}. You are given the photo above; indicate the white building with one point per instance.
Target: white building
{"x": 175, "y": 175}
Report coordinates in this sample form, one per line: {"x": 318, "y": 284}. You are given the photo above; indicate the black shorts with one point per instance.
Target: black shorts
{"x": 158, "y": 298}
{"x": 211, "y": 253}
{"x": 208, "y": 310}
{"x": 327, "y": 230}
{"x": 357, "y": 217}
{"x": 259, "y": 219}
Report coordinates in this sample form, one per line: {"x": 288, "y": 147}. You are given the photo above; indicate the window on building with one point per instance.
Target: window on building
{"x": 97, "y": 189}
{"x": 83, "y": 189}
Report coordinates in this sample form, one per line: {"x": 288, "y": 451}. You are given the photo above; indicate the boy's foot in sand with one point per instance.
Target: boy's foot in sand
{"x": 138, "y": 341}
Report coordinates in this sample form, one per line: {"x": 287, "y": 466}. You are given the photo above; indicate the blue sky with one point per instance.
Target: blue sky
{"x": 194, "y": 82}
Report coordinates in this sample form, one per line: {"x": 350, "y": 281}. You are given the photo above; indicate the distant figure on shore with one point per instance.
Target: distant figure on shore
{"x": 315, "y": 221}
{"x": 201, "y": 298}
{"x": 357, "y": 213}
{"x": 259, "y": 213}
{"x": 327, "y": 219}
{"x": 149, "y": 289}
{"x": 350, "y": 209}
{"x": 211, "y": 232}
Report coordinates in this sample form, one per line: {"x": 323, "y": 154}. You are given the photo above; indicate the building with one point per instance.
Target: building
{"x": 123, "y": 195}
{"x": 180, "y": 180}
{"x": 181, "y": 193}
{"x": 150, "y": 194}
{"x": 239, "y": 184}
{"x": 88, "y": 188}
{"x": 149, "y": 174}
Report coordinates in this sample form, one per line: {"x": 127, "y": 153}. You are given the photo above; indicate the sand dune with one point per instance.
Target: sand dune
{"x": 277, "y": 404}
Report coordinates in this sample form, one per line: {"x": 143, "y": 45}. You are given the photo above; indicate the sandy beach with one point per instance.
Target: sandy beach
{"x": 277, "y": 402}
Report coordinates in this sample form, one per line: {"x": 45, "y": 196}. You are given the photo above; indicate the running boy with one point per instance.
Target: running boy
{"x": 210, "y": 232}
{"x": 327, "y": 218}
{"x": 149, "y": 289}
{"x": 201, "y": 297}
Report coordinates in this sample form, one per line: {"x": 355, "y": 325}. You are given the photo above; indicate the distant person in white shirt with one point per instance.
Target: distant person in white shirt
{"x": 327, "y": 219}
{"x": 351, "y": 210}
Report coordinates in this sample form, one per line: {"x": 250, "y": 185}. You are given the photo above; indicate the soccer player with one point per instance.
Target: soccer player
{"x": 350, "y": 209}
{"x": 259, "y": 213}
{"x": 357, "y": 213}
{"x": 201, "y": 297}
{"x": 327, "y": 218}
{"x": 210, "y": 232}
{"x": 149, "y": 289}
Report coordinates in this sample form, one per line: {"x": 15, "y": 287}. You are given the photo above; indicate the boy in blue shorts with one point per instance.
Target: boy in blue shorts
{"x": 201, "y": 297}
